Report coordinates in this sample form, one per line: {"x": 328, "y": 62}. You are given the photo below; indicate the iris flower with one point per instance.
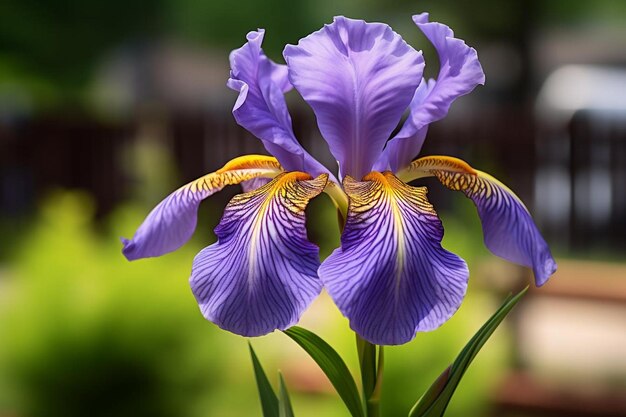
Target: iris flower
{"x": 390, "y": 277}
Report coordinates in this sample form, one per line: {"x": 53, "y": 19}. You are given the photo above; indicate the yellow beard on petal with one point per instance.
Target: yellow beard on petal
{"x": 456, "y": 175}
{"x": 291, "y": 190}
{"x": 237, "y": 171}
{"x": 384, "y": 188}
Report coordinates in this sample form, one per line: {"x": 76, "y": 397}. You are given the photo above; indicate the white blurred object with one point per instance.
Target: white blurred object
{"x": 563, "y": 187}
{"x": 574, "y": 88}
{"x": 574, "y": 328}
{"x": 171, "y": 74}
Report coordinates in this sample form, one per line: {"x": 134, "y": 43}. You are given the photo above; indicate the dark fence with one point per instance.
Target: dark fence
{"x": 79, "y": 152}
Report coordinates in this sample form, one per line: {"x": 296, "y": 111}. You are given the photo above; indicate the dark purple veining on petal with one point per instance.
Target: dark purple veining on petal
{"x": 262, "y": 273}
{"x": 391, "y": 277}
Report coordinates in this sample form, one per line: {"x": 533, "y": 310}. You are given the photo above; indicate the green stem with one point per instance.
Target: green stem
{"x": 371, "y": 375}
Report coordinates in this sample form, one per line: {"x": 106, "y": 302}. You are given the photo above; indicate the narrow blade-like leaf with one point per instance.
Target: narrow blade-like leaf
{"x": 269, "y": 401}
{"x": 436, "y": 399}
{"x": 367, "y": 363}
{"x": 371, "y": 363}
{"x": 372, "y": 403}
{"x": 333, "y": 366}
{"x": 284, "y": 403}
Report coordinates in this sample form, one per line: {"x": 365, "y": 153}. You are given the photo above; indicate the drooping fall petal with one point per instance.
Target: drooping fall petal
{"x": 262, "y": 273}
{"x": 391, "y": 277}
{"x": 172, "y": 222}
{"x": 359, "y": 78}
{"x": 509, "y": 230}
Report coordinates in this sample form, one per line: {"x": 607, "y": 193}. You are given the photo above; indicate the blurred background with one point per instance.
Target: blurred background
{"x": 105, "y": 107}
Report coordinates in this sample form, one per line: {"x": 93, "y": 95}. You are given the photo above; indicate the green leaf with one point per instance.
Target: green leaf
{"x": 436, "y": 399}
{"x": 269, "y": 402}
{"x": 371, "y": 374}
{"x": 372, "y": 403}
{"x": 333, "y": 366}
{"x": 367, "y": 363}
{"x": 284, "y": 403}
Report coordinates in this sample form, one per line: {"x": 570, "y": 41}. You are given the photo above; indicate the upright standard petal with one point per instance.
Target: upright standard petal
{"x": 459, "y": 73}
{"x": 261, "y": 107}
{"x": 508, "y": 228}
{"x": 172, "y": 222}
{"x": 391, "y": 277}
{"x": 359, "y": 78}
{"x": 262, "y": 273}
{"x": 400, "y": 151}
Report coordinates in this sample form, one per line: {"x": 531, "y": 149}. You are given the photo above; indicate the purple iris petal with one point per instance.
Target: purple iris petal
{"x": 261, "y": 107}
{"x": 459, "y": 73}
{"x": 398, "y": 153}
{"x": 391, "y": 277}
{"x": 359, "y": 78}
{"x": 509, "y": 230}
{"x": 254, "y": 183}
{"x": 172, "y": 222}
{"x": 168, "y": 226}
{"x": 262, "y": 273}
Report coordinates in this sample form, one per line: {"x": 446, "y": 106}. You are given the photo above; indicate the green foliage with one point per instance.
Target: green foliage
{"x": 52, "y": 48}
{"x": 284, "y": 402}
{"x": 269, "y": 402}
{"x": 371, "y": 364}
{"x": 86, "y": 333}
{"x": 436, "y": 399}
{"x": 422, "y": 360}
{"x": 80, "y": 325}
{"x": 433, "y": 402}
{"x": 367, "y": 364}
{"x": 271, "y": 405}
{"x": 333, "y": 366}
{"x": 59, "y": 43}
{"x": 220, "y": 24}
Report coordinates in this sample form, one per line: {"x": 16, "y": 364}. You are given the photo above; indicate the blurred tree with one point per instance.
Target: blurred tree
{"x": 222, "y": 23}
{"x": 51, "y": 46}
{"x": 57, "y": 43}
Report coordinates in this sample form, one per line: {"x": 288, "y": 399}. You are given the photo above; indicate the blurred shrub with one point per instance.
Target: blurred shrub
{"x": 84, "y": 332}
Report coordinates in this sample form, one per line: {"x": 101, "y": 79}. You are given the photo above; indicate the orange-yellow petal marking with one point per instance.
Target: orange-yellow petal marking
{"x": 288, "y": 191}
{"x": 262, "y": 272}
{"x": 172, "y": 222}
{"x": 391, "y": 277}
{"x": 508, "y": 228}
{"x": 236, "y": 171}
{"x": 456, "y": 175}
{"x": 386, "y": 190}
